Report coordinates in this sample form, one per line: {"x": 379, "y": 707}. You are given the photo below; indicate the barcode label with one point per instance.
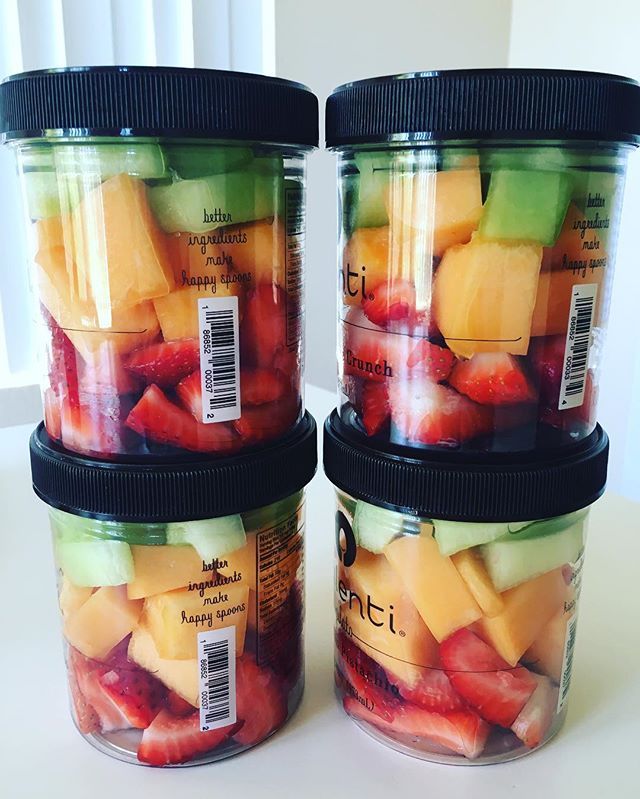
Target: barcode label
{"x": 567, "y": 660}
{"x": 219, "y": 359}
{"x": 217, "y": 663}
{"x": 576, "y": 354}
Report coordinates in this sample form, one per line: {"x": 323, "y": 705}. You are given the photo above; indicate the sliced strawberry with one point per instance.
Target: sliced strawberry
{"x": 365, "y": 679}
{"x": 52, "y": 413}
{"x": 158, "y": 419}
{"x": 547, "y": 361}
{"x": 487, "y": 682}
{"x": 170, "y": 740}
{"x": 390, "y": 302}
{"x": 135, "y": 692}
{"x": 86, "y": 718}
{"x": 493, "y": 378}
{"x": 178, "y": 706}
{"x": 433, "y": 691}
{"x": 260, "y": 702}
{"x": 462, "y": 732}
{"x": 431, "y": 360}
{"x": 87, "y": 675}
{"x": 428, "y": 413}
{"x": 264, "y": 326}
{"x": 534, "y": 720}
{"x": 265, "y": 422}
{"x": 189, "y": 391}
{"x": 95, "y": 425}
{"x": 65, "y": 362}
{"x": 371, "y": 352}
{"x": 375, "y": 407}
{"x": 258, "y": 386}
{"x": 165, "y": 363}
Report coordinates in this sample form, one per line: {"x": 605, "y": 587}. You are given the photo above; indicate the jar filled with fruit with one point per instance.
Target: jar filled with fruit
{"x": 166, "y": 216}
{"x": 456, "y": 595}
{"x": 181, "y": 594}
{"x": 479, "y": 214}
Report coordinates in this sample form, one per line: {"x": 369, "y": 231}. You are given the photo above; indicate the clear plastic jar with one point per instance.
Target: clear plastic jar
{"x": 168, "y": 268}
{"x": 183, "y": 639}
{"x": 454, "y": 640}
{"x": 475, "y": 271}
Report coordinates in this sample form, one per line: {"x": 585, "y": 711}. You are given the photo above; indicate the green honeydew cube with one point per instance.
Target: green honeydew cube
{"x": 211, "y": 538}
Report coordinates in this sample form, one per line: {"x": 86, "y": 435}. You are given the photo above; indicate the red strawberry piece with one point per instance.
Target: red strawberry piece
{"x": 431, "y": 360}
{"x": 87, "y": 675}
{"x": 487, "y": 682}
{"x": 493, "y": 378}
{"x": 547, "y": 361}
{"x": 136, "y": 693}
{"x": 160, "y": 420}
{"x": 105, "y": 370}
{"x": 178, "y": 706}
{"x": 462, "y": 732}
{"x": 264, "y": 326}
{"x": 433, "y": 691}
{"x": 371, "y": 352}
{"x": 86, "y": 718}
{"x": 95, "y": 426}
{"x": 265, "y": 422}
{"x": 170, "y": 740}
{"x": 352, "y": 388}
{"x": 428, "y": 413}
{"x": 64, "y": 363}
{"x": 258, "y": 386}
{"x": 52, "y": 412}
{"x": 534, "y": 720}
{"x": 390, "y": 302}
{"x": 261, "y": 703}
{"x": 165, "y": 363}
{"x": 189, "y": 391}
{"x": 375, "y": 407}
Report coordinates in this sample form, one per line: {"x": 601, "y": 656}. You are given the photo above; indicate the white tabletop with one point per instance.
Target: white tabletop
{"x": 320, "y": 753}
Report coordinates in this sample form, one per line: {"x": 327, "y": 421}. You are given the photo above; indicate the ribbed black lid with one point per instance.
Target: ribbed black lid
{"x": 485, "y": 104}
{"x": 173, "y": 492}
{"x": 157, "y": 101}
{"x": 496, "y": 487}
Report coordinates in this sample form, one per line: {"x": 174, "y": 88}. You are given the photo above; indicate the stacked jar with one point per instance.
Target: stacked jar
{"x": 479, "y": 213}
{"x": 166, "y": 216}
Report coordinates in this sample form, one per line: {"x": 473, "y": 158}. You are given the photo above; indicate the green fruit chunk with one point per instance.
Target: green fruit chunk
{"x": 526, "y": 205}
{"x": 95, "y": 563}
{"x": 526, "y": 158}
{"x": 376, "y": 527}
{"x": 104, "y": 161}
{"x": 78, "y": 529}
{"x": 515, "y": 558}
{"x": 41, "y": 191}
{"x": 458, "y": 158}
{"x": 211, "y": 538}
{"x": 453, "y": 537}
{"x": 199, "y": 160}
{"x": 274, "y": 514}
{"x": 370, "y": 190}
{"x": 217, "y": 200}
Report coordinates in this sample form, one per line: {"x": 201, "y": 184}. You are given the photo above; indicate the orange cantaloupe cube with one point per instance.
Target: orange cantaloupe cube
{"x": 484, "y": 295}
{"x": 527, "y": 609}
{"x": 71, "y": 597}
{"x": 443, "y": 208}
{"x": 404, "y": 646}
{"x": 102, "y": 621}
{"x": 119, "y": 250}
{"x": 164, "y": 568}
{"x": 178, "y": 311}
{"x": 175, "y": 618}
{"x": 243, "y": 562}
{"x": 471, "y": 568}
{"x": 553, "y": 299}
{"x": 433, "y": 583}
{"x": 180, "y": 676}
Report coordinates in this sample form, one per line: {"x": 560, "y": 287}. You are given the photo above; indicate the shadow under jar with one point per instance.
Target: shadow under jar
{"x": 456, "y": 595}
{"x": 166, "y": 216}
{"x": 478, "y": 223}
{"x": 181, "y": 597}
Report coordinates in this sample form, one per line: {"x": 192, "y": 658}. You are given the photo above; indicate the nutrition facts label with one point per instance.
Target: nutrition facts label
{"x": 294, "y": 250}
{"x": 280, "y": 560}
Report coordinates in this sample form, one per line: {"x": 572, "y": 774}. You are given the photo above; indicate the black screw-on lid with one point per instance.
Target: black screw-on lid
{"x": 140, "y": 492}
{"x": 488, "y": 488}
{"x": 157, "y": 101}
{"x": 485, "y": 104}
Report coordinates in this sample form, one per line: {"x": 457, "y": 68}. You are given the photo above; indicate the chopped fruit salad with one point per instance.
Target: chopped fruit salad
{"x": 455, "y": 640}
{"x": 473, "y": 293}
{"x": 170, "y": 281}
{"x": 183, "y": 640}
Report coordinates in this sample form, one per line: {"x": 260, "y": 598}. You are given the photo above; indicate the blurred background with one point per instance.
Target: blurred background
{"x": 324, "y": 45}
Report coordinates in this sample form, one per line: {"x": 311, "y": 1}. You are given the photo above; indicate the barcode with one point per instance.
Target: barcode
{"x": 216, "y": 656}
{"x": 567, "y": 660}
{"x": 576, "y": 356}
{"x": 219, "y": 359}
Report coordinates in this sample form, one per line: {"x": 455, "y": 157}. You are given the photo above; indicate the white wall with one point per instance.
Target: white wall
{"x": 583, "y": 34}
{"x": 324, "y": 45}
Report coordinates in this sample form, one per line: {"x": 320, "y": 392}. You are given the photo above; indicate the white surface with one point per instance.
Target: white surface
{"x": 320, "y": 753}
